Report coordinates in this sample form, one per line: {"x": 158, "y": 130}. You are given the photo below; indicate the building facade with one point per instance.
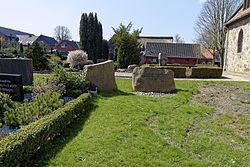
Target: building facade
{"x": 237, "y": 51}
{"x": 172, "y": 53}
{"x": 66, "y": 46}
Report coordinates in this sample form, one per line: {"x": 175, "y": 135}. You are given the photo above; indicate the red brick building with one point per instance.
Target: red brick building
{"x": 65, "y": 46}
{"x": 174, "y": 53}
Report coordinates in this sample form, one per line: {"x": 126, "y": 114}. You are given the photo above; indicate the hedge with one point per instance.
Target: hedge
{"x": 179, "y": 72}
{"x": 16, "y": 149}
{"x": 206, "y": 72}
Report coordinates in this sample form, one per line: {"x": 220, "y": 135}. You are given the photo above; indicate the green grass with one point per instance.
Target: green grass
{"x": 128, "y": 130}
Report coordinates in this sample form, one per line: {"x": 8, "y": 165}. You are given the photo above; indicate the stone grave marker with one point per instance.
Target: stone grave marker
{"x": 12, "y": 84}
{"x": 21, "y": 66}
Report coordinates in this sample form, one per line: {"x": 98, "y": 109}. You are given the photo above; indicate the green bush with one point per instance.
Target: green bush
{"x": 73, "y": 82}
{"x": 179, "y": 72}
{"x": 206, "y": 72}
{"x": 25, "y": 113}
{"x": 52, "y": 85}
{"x": 36, "y": 53}
{"x": 5, "y": 104}
{"x": 28, "y": 89}
{"x": 55, "y": 58}
{"x": 66, "y": 64}
{"x": 16, "y": 149}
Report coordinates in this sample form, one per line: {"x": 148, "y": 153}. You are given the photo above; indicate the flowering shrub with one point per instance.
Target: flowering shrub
{"x": 76, "y": 58}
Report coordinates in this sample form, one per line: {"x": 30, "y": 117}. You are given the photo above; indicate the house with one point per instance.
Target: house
{"x": 237, "y": 48}
{"x": 143, "y": 40}
{"x": 155, "y": 39}
{"x": 65, "y": 46}
{"x": 26, "y": 40}
{"x": 48, "y": 43}
{"x": 9, "y": 35}
{"x": 176, "y": 53}
{"x": 207, "y": 56}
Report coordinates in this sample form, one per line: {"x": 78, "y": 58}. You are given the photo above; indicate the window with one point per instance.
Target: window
{"x": 64, "y": 45}
{"x": 240, "y": 41}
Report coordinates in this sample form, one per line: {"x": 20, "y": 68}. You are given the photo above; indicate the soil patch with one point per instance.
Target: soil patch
{"x": 225, "y": 98}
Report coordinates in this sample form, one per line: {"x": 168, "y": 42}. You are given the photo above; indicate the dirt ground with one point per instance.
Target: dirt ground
{"x": 225, "y": 98}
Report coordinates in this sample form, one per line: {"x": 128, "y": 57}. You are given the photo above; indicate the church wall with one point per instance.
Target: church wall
{"x": 238, "y": 62}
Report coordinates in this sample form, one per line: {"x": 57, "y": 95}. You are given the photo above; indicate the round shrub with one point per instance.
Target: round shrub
{"x": 77, "y": 58}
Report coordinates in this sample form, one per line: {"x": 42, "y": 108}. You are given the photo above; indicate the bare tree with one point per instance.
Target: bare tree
{"x": 62, "y": 33}
{"x": 210, "y": 29}
{"x": 178, "y": 39}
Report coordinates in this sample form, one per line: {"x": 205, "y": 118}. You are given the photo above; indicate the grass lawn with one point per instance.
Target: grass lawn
{"x": 128, "y": 130}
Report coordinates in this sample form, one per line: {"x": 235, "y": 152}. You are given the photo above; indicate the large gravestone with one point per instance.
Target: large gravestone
{"x": 102, "y": 75}
{"x": 146, "y": 79}
{"x": 21, "y": 66}
{"x": 12, "y": 84}
{"x": 163, "y": 59}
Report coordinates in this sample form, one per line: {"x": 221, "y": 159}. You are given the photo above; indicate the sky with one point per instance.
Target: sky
{"x": 156, "y": 17}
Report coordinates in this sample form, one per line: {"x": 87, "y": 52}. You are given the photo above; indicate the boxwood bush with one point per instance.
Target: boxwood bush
{"x": 206, "y": 72}
{"x": 179, "y": 72}
{"x": 16, "y": 149}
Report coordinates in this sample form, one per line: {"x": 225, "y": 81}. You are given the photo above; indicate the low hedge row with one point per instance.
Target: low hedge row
{"x": 16, "y": 149}
{"x": 194, "y": 72}
{"x": 206, "y": 72}
{"x": 179, "y": 72}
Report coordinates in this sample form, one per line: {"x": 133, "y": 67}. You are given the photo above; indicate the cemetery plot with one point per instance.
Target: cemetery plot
{"x": 12, "y": 84}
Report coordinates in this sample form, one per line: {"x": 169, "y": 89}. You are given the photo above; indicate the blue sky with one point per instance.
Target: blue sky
{"x": 157, "y": 17}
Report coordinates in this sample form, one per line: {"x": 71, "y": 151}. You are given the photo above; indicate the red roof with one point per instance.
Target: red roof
{"x": 207, "y": 54}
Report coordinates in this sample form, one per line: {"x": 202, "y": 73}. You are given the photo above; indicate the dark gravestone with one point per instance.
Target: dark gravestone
{"x": 21, "y": 66}
{"x": 12, "y": 84}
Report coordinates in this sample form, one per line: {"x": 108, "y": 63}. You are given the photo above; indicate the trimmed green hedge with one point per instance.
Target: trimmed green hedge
{"x": 16, "y": 149}
{"x": 179, "y": 72}
{"x": 206, "y": 72}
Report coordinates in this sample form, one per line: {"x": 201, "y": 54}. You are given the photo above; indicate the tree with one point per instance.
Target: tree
{"x": 1, "y": 43}
{"x": 105, "y": 49}
{"x": 178, "y": 39}
{"x": 128, "y": 46}
{"x": 62, "y": 33}
{"x": 91, "y": 36}
{"x": 210, "y": 29}
{"x": 36, "y": 53}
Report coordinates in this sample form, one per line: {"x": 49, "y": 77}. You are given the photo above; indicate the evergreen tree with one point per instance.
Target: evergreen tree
{"x": 105, "y": 49}
{"x": 83, "y": 31}
{"x": 40, "y": 62}
{"x": 127, "y": 45}
{"x": 99, "y": 39}
{"x": 91, "y": 36}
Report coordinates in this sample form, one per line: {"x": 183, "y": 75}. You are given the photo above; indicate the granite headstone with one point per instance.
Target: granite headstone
{"x": 12, "y": 84}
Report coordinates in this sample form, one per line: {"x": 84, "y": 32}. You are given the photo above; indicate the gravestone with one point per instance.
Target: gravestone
{"x": 146, "y": 79}
{"x": 163, "y": 59}
{"x": 12, "y": 84}
{"x": 21, "y": 66}
{"x": 102, "y": 75}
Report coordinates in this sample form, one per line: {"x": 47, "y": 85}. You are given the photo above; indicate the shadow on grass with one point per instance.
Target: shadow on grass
{"x": 115, "y": 93}
{"x": 42, "y": 157}
{"x": 48, "y": 151}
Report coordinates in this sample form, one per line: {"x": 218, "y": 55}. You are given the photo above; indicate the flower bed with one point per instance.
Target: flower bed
{"x": 16, "y": 149}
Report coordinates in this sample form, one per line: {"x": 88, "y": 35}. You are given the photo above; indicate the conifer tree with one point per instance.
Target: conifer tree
{"x": 91, "y": 36}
